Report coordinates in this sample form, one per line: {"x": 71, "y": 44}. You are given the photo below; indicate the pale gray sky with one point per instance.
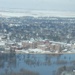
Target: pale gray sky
{"x": 52, "y": 5}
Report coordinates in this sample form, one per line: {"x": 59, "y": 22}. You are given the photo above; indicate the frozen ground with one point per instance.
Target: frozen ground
{"x": 37, "y": 14}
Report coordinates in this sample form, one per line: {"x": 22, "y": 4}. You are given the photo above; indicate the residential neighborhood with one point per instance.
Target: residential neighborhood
{"x": 31, "y": 34}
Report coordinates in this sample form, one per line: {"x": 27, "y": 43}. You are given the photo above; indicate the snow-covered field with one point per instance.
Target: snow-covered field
{"x": 37, "y": 14}
{"x": 33, "y": 51}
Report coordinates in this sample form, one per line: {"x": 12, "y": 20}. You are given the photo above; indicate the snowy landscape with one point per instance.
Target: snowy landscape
{"x": 35, "y": 13}
{"x": 37, "y": 32}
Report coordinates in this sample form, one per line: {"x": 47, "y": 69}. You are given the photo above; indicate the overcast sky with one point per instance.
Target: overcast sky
{"x": 52, "y": 5}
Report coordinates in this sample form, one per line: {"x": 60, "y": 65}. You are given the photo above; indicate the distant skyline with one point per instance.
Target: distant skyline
{"x": 49, "y": 5}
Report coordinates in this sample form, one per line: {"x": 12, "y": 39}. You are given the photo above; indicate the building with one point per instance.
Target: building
{"x": 33, "y": 45}
{"x": 55, "y": 47}
{"x": 25, "y": 44}
{"x": 42, "y": 47}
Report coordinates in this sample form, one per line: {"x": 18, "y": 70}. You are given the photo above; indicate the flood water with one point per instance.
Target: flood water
{"x": 37, "y": 64}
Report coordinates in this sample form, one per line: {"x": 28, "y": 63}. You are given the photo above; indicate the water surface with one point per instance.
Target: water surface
{"x": 39, "y": 64}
